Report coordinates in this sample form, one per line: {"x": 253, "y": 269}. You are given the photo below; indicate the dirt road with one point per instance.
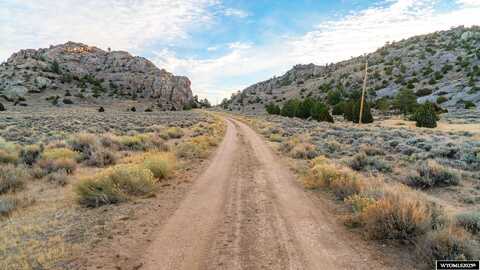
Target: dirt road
{"x": 247, "y": 212}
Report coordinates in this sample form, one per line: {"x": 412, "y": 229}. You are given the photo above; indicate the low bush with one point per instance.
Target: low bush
{"x": 59, "y": 177}
{"x": 50, "y": 166}
{"x": 341, "y": 181}
{"x": 275, "y": 138}
{"x": 134, "y": 142}
{"x": 431, "y": 174}
{"x": 362, "y": 162}
{"x": 12, "y": 178}
{"x": 101, "y": 157}
{"x": 59, "y": 153}
{"x": 175, "y": 133}
{"x": 304, "y": 151}
{"x": 8, "y": 204}
{"x": 191, "y": 150}
{"x": 447, "y": 243}
{"x": 398, "y": 214}
{"x": 160, "y": 164}
{"x": 115, "y": 185}
{"x": 30, "y": 154}
{"x": 8, "y": 152}
{"x": 470, "y": 221}
{"x": 85, "y": 144}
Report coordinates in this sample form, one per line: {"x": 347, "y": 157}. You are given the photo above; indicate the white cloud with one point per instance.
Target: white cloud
{"x": 119, "y": 24}
{"x": 239, "y": 45}
{"x": 469, "y": 3}
{"x": 331, "y": 41}
{"x": 233, "y": 12}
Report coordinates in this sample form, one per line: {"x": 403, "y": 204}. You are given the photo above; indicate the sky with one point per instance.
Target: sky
{"x": 226, "y": 45}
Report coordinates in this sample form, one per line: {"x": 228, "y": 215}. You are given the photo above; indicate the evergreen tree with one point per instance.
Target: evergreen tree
{"x": 366, "y": 113}
{"x": 425, "y": 116}
{"x": 351, "y": 112}
{"x": 320, "y": 113}
{"x": 334, "y": 97}
{"x": 338, "y": 109}
{"x": 405, "y": 101}
{"x": 272, "y": 108}
{"x": 305, "y": 107}
{"x": 290, "y": 108}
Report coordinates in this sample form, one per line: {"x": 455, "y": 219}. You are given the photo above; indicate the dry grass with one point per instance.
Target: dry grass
{"x": 8, "y": 152}
{"x": 115, "y": 185}
{"x": 12, "y": 178}
{"x": 160, "y": 164}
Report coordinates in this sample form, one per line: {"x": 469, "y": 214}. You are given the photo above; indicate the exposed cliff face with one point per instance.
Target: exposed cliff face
{"x": 89, "y": 71}
{"x": 443, "y": 64}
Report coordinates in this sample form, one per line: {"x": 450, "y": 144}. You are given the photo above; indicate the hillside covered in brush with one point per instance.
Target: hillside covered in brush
{"x": 85, "y": 74}
{"x": 441, "y": 67}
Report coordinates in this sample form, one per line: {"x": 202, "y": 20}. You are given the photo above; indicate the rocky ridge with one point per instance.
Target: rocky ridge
{"x": 85, "y": 73}
{"x": 443, "y": 64}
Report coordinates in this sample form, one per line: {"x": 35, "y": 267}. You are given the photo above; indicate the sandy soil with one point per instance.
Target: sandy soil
{"x": 246, "y": 211}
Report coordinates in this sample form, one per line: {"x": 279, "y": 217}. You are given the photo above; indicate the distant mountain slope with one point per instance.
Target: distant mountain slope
{"x": 85, "y": 72}
{"x": 442, "y": 64}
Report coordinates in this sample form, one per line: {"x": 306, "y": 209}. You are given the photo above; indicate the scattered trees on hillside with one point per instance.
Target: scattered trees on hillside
{"x": 308, "y": 108}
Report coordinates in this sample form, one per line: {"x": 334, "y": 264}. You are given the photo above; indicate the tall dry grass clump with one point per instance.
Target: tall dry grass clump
{"x": 114, "y": 185}
{"x": 394, "y": 212}
{"x": 8, "y": 151}
{"x": 160, "y": 164}
{"x": 12, "y": 178}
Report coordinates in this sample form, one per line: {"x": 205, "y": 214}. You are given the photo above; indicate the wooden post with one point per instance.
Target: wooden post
{"x": 363, "y": 91}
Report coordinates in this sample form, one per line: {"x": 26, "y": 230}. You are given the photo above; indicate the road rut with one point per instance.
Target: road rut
{"x": 246, "y": 211}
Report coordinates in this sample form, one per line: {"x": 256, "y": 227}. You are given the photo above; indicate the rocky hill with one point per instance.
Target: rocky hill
{"x": 441, "y": 67}
{"x": 88, "y": 74}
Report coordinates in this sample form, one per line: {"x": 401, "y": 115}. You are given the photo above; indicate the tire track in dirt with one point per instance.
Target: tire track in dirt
{"x": 247, "y": 212}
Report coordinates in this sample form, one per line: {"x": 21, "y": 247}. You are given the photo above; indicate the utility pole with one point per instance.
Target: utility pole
{"x": 363, "y": 91}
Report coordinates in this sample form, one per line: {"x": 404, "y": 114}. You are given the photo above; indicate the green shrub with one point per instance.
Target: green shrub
{"x": 470, "y": 221}
{"x": 134, "y": 142}
{"x": 352, "y": 112}
{"x": 405, "y": 101}
{"x": 12, "y": 178}
{"x": 305, "y": 108}
{"x": 290, "y": 108}
{"x": 338, "y": 109}
{"x": 441, "y": 99}
{"x": 432, "y": 174}
{"x": 272, "y": 108}
{"x": 320, "y": 113}
{"x": 423, "y": 92}
{"x": 334, "y": 97}
{"x": 425, "y": 116}
{"x": 469, "y": 105}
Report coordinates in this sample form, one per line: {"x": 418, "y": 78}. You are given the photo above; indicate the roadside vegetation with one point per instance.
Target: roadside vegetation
{"x": 56, "y": 185}
{"x": 396, "y": 185}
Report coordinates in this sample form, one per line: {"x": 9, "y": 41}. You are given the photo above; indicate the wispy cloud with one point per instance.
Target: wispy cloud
{"x": 120, "y": 24}
{"x": 331, "y": 41}
{"x": 233, "y": 12}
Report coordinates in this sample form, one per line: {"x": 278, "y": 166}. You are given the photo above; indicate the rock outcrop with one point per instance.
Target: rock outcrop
{"x": 442, "y": 64}
{"x": 91, "y": 72}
